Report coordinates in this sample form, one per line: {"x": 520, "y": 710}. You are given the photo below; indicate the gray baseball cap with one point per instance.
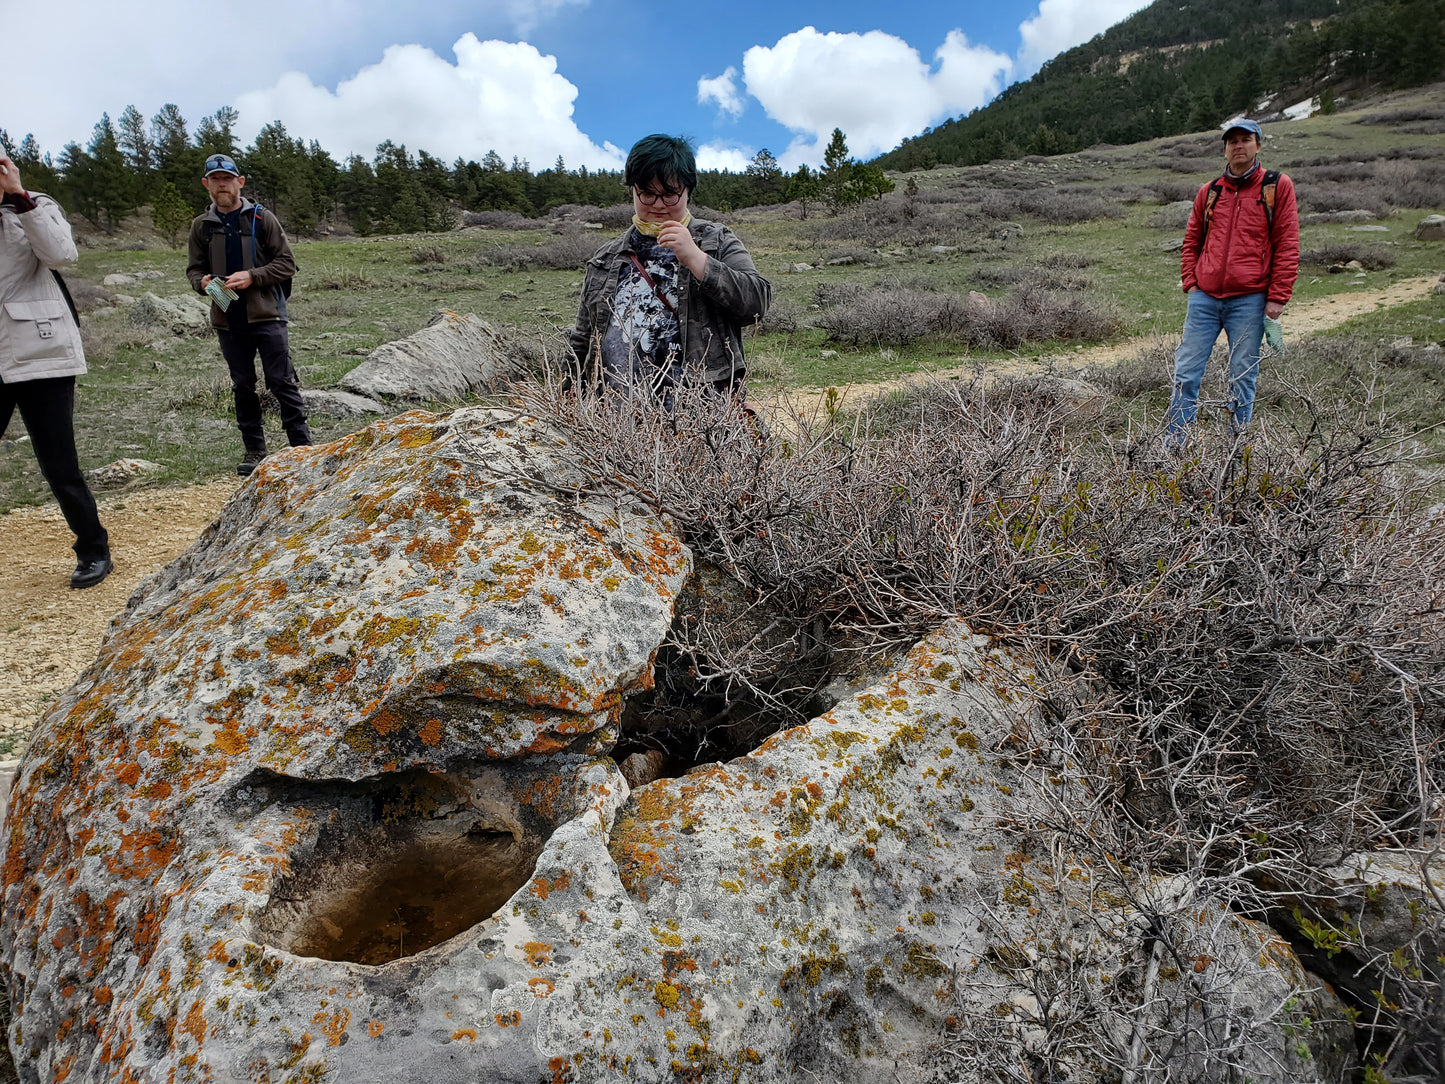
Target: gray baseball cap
{"x": 220, "y": 163}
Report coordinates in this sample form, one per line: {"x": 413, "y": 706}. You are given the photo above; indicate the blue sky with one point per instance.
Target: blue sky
{"x": 581, "y": 79}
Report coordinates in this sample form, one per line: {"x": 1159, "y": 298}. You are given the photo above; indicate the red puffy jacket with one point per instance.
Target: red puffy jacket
{"x": 1242, "y": 254}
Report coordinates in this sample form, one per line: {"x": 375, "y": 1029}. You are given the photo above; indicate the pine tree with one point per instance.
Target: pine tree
{"x": 837, "y": 171}
{"x": 170, "y": 214}
{"x": 803, "y": 186}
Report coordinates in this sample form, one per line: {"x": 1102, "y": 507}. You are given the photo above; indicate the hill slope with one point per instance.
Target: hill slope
{"x": 1181, "y": 67}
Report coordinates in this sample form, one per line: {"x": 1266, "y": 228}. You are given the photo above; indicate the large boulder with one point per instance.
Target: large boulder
{"x": 454, "y": 356}
{"x": 343, "y": 723}
{"x": 863, "y": 898}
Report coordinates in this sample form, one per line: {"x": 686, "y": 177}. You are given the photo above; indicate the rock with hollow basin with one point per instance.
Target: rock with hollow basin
{"x": 391, "y": 661}
{"x": 330, "y": 806}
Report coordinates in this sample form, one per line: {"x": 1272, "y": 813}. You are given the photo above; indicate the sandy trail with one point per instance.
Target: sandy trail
{"x": 49, "y": 633}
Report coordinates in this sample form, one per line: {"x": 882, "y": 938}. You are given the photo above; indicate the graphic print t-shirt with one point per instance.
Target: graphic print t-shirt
{"x": 641, "y": 348}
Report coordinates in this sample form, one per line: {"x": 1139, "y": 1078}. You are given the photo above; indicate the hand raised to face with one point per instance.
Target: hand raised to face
{"x": 10, "y": 176}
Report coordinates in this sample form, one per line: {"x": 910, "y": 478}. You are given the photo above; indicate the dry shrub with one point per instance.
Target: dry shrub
{"x": 102, "y": 338}
{"x": 1195, "y": 148}
{"x": 1143, "y": 373}
{"x": 1247, "y": 642}
{"x": 1042, "y": 276}
{"x": 1061, "y": 206}
{"x": 783, "y": 317}
{"x": 501, "y": 220}
{"x": 1371, "y": 257}
{"x": 428, "y": 254}
{"x": 568, "y": 252}
{"x": 210, "y": 393}
{"x": 1401, "y": 116}
{"x": 1173, "y": 217}
{"x": 1174, "y": 191}
{"x": 616, "y": 217}
{"x": 1369, "y": 196}
{"x": 900, "y": 315}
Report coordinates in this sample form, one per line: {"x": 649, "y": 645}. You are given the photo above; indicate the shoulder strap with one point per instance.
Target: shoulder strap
{"x": 648, "y": 279}
{"x": 1266, "y": 196}
{"x": 1209, "y": 201}
{"x": 65, "y": 293}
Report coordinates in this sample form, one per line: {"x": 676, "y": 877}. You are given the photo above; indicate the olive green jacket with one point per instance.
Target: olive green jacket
{"x": 711, "y": 313}
{"x": 269, "y": 261}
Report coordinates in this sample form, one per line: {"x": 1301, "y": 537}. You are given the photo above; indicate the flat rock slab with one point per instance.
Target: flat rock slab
{"x": 334, "y": 403}
{"x": 389, "y": 652}
{"x": 452, "y": 357}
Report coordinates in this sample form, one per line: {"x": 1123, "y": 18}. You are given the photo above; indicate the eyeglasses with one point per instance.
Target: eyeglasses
{"x": 653, "y": 199}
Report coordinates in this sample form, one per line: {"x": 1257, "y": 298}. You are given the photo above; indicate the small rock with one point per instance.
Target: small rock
{"x": 119, "y": 279}
{"x": 828, "y": 354}
{"x": 802, "y": 267}
{"x": 642, "y": 768}
{"x": 121, "y": 473}
{"x": 1006, "y": 230}
{"x": 842, "y": 261}
{"x": 592, "y": 225}
{"x": 150, "y": 273}
{"x": 506, "y": 295}
{"x": 942, "y": 249}
{"x": 125, "y": 301}
{"x": 1354, "y": 265}
{"x": 1173, "y": 244}
{"x": 1431, "y": 228}
{"x": 1369, "y": 229}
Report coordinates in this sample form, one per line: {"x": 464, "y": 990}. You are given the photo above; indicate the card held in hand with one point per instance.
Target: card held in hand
{"x": 221, "y": 294}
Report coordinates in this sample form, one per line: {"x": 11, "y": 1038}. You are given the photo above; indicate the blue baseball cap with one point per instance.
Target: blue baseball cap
{"x": 220, "y": 163}
{"x": 1242, "y": 125}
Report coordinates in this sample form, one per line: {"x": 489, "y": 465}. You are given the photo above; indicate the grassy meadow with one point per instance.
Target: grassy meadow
{"x": 1068, "y": 251}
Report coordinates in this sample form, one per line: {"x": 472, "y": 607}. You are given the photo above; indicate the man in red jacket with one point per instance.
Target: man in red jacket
{"x": 1240, "y": 260}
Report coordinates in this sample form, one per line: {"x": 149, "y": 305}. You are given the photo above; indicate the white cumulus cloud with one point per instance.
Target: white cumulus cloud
{"x": 723, "y": 91}
{"x": 503, "y": 96}
{"x": 1062, "y": 24}
{"x": 723, "y": 156}
{"x": 874, "y": 86}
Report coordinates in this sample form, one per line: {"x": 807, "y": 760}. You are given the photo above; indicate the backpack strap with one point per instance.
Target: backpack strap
{"x": 1209, "y": 201}
{"x": 1266, "y": 196}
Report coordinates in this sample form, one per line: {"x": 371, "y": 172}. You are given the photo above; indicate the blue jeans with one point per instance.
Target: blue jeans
{"x": 1242, "y": 321}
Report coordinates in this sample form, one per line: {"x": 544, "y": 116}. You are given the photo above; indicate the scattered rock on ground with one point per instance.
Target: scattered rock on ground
{"x": 1369, "y": 229}
{"x": 454, "y": 356}
{"x": 122, "y": 472}
{"x": 1322, "y": 217}
{"x": 1172, "y": 244}
{"x": 1431, "y": 228}
{"x": 180, "y": 314}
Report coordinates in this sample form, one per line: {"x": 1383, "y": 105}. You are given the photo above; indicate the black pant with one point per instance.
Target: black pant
{"x": 239, "y": 348}
{"x": 47, "y": 407}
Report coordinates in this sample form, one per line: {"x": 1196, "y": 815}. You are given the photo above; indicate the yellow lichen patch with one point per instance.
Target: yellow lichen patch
{"x": 469, "y": 1034}
{"x": 539, "y": 953}
{"x": 541, "y": 987}
{"x": 666, "y": 995}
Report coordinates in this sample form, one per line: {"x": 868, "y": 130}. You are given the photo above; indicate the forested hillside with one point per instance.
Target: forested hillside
{"x": 131, "y": 163}
{"x": 1181, "y": 67}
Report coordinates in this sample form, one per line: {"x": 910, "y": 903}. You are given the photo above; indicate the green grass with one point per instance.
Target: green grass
{"x": 171, "y": 406}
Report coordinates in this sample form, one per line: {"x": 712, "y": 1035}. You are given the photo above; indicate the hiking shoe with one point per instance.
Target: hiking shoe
{"x": 250, "y": 461}
{"x": 90, "y": 573}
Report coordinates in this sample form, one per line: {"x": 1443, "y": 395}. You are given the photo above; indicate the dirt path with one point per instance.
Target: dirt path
{"x": 1300, "y": 320}
{"x": 48, "y": 633}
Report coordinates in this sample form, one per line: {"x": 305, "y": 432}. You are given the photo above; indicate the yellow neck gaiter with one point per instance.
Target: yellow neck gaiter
{"x": 652, "y": 229}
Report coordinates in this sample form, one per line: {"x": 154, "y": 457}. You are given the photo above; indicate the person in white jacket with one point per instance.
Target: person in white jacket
{"x": 40, "y": 357}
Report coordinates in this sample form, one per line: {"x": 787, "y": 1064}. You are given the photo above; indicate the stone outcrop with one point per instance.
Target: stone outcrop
{"x": 182, "y": 314}
{"x": 452, "y": 357}
{"x": 332, "y": 805}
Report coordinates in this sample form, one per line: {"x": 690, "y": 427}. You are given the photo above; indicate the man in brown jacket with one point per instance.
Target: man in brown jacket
{"x": 243, "y": 245}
